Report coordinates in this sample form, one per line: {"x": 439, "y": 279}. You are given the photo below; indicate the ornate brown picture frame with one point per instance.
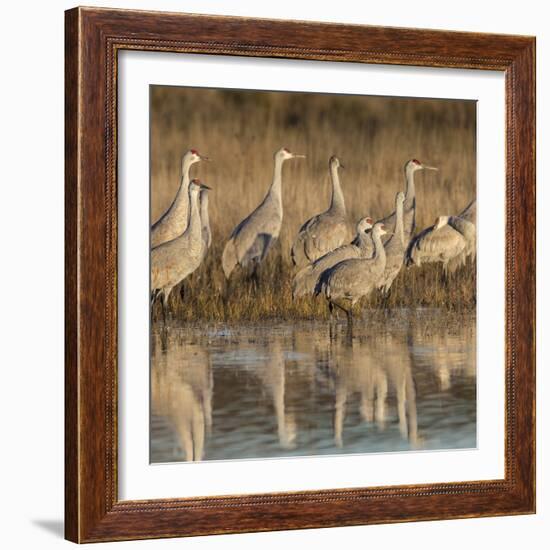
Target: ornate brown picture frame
{"x": 94, "y": 37}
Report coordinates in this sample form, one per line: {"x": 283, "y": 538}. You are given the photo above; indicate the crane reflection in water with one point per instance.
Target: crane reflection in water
{"x": 281, "y": 389}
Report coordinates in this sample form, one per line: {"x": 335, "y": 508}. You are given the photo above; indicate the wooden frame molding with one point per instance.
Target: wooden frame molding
{"x": 93, "y": 38}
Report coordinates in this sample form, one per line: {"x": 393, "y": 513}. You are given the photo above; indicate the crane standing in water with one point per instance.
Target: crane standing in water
{"x": 175, "y": 260}
{"x": 352, "y": 279}
{"x": 326, "y": 231}
{"x": 174, "y": 221}
{"x": 251, "y": 239}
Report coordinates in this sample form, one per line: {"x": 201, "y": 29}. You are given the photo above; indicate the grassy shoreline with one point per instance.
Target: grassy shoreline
{"x": 208, "y": 297}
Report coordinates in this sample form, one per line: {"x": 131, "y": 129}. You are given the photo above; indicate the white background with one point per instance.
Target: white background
{"x": 140, "y": 480}
{"x": 31, "y": 225}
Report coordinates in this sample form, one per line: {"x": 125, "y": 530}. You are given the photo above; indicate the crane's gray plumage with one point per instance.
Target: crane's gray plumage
{"x": 326, "y": 231}
{"x": 395, "y": 247}
{"x": 173, "y": 261}
{"x": 451, "y": 240}
{"x": 434, "y": 245}
{"x": 174, "y": 221}
{"x": 251, "y": 239}
{"x": 350, "y": 280}
{"x": 409, "y": 207}
{"x": 206, "y": 233}
{"x": 447, "y": 241}
{"x": 468, "y": 230}
{"x": 306, "y": 280}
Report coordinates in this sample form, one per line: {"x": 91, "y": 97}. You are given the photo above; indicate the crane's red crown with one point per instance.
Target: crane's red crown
{"x": 194, "y": 151}
{"x": 417, "y": 162}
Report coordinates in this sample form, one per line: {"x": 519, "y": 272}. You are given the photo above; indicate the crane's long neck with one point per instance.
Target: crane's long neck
{"x": 182, "y": 197}
{"x": 398, "y": 232}
{"x": 410, "y": 190}
{"x": 337, "y": 200}
{"x": 275, "y": 191}
{"x": 185, "y": 169}
{"x": 205, "y": 219}
{"x": 363, "y": 239}
{"x": 204, "y": 210}
{"x": 379, "y": 250}
{"x": 194, "y": 220}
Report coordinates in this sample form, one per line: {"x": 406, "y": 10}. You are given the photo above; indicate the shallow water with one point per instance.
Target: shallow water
{"x": 278, "y": 389}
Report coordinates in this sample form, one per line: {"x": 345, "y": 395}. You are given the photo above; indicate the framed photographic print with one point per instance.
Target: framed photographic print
{"x": 300, "y": 275}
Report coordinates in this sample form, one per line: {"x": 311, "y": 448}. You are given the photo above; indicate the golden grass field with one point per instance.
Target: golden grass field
{"x": 372, "y": 136}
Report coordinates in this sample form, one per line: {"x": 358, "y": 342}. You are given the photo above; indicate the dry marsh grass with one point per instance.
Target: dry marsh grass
{"x": 373, "y": 137}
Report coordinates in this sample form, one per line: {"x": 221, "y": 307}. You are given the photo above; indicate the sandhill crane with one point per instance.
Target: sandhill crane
{"x": 173, "y": 261}
{"x": 409, "y": 207}
{"x": 308, "y": 277}
{"x": 352, "y": 279}
{"x": 326, "y": 231}
{"x": 206, "y": 233}
{"x": 468, "y": 230}
{"x": 439, "y": 244}
{"x": 469, "y": 215}
{"x": 395, "y": 247}
{"x": 251, "y": 239}
{"x": 174, "y": 221}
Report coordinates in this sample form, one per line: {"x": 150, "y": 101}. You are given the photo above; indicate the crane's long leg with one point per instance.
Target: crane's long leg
{"x": 154, "y": 296}
{"x": 167, "y": 292}
{"x": 163, "y": 307}
{"x": 445, "y": 275}
{"x": 182, "y": 292}
{"x": 337, "y": 309}
{"x": 331, "y": 331}
{"x": 331, "y": 310}
{"x": 349, "y": 331}
{"x": 165, "y": 297}
{"x": 255, "y": 275}
{"x": 164, "y": 339}
{"x": 385, "y": 298}
{"x": 228, "y": 286}
{"x": 349, "y": 314}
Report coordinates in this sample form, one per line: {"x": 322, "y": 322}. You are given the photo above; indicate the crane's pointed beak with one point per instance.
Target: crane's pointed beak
{"x": 342, "y": 166}
{"x": 430, "y": 168}
{"x": 296, "y": 156}
{"x": 207, "y": 159}
{"x": 204, "y": 186}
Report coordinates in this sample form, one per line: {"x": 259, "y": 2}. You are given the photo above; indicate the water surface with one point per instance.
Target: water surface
{"x": 278, "y": 389}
